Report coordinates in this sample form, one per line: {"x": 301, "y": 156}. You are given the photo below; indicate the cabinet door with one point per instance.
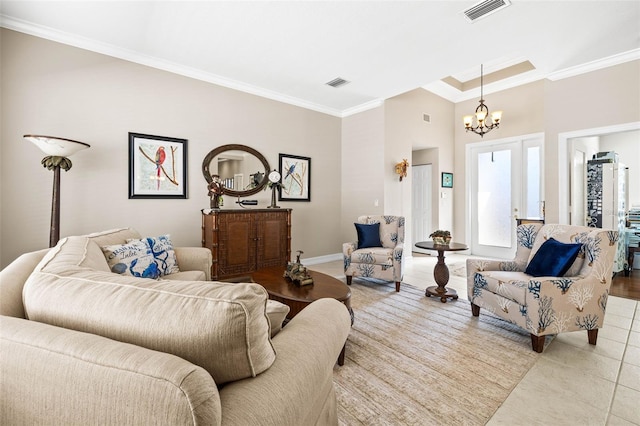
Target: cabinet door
{"x": 237, "y": 244}
{"x": 273, "y": 241}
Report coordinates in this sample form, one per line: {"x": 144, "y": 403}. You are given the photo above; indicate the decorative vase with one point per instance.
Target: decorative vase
{"x": 441, "y": 240}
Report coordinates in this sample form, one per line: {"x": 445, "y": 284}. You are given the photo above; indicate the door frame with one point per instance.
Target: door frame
{"x": 469, "y": 172}
{"x": 563, "y": 160}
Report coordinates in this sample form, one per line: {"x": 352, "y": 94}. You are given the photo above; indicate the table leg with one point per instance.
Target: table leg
{"x": 441, "y": 275}
{"x": 341, "y": 356}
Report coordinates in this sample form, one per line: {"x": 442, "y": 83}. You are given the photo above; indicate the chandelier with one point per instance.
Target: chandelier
{"x": 482, "y": 113}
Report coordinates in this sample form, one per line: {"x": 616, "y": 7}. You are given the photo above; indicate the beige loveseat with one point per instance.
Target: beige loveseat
{"x": 83, "y": 345}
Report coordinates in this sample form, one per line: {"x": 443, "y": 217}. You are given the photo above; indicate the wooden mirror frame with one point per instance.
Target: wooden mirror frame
{"x": 234, "y": 147}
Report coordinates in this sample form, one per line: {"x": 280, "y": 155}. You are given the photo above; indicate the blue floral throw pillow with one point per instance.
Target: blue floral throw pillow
{"x": 368, "y": 235}
{"x": 133, "y": 258}
{"x": 553, "y": 259}
{"x": 162, "y": 250}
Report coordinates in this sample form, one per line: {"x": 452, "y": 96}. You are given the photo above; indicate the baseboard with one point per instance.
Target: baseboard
{"x": 332, "y": 258}
{"x": 322, "y": 259}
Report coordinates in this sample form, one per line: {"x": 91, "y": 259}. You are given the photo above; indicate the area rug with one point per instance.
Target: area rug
{"x": 412, "y": 360}
{"x": 458, "y": 269}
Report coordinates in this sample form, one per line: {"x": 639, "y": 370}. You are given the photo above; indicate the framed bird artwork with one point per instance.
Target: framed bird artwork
{"x": 295, "y": 172}
{"x": 157, "y": 166}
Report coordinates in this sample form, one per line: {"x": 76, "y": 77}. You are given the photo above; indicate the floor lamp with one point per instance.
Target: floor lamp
{"x": 57, "y": 150}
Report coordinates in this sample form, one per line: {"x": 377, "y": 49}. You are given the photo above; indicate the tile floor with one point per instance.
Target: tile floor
{"x": 573, "y": 383}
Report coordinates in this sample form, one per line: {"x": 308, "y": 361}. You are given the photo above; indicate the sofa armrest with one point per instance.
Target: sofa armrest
{"x": 348, "y": 248}
{"x": 481, "y": 265}
{"x": 12, "y": 279}
{"x": 296, "y": 387}
{"x": 194, "y": 259}
{"x": 60, "y": 376}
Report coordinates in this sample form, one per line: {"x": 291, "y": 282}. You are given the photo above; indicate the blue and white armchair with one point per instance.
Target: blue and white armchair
{"x": 372, "y": 257}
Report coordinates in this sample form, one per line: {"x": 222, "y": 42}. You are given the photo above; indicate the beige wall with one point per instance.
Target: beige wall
{"x": 54, "y": 89}
{"x": 627, "y": 146}
{"x": 50, "y": 88}
{"x": 523, "y": 113}
{"x": 607, "y": 97}
{"x": 374, "y": 141}
{"x": 406, "y": 128}
{"x": 363, "y": 168}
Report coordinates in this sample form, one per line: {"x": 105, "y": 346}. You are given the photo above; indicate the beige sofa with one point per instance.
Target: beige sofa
{"x": 83, "y": 345}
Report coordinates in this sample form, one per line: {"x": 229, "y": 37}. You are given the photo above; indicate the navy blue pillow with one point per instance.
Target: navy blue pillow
{"x": 368, "y": 235}
{"x": 553, "y": 259}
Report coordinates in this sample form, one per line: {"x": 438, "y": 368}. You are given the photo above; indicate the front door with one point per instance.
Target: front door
{"x": 506, "y": 184}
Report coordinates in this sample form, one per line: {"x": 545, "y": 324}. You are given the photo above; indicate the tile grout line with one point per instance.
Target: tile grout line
{"x": 615, "y": 388}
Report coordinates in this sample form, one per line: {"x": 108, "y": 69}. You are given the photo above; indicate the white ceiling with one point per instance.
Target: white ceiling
{"x": 288, "y": 50}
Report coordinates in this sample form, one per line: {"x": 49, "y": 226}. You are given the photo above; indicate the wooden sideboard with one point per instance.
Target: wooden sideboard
{"x": 242, "y": 240}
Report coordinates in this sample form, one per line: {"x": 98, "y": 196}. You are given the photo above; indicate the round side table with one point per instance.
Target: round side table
{"x": 441, "y": 271}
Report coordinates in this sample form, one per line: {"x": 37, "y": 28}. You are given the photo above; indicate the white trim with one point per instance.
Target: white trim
{"x": 563, "y": 162}
{"x": 468, "y": 171}
{"x": 439, "y": 88}
{"x": 454, "y": 95}
{"x": 321, "y": 259}
{"x": 153, "y": 62}
{"x": 598, "y": 64}
{"x": 362, "y": 107}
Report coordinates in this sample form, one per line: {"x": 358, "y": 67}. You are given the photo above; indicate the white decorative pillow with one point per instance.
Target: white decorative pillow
{"x": 134, "y": 258}
{"x": 162, "y": 250}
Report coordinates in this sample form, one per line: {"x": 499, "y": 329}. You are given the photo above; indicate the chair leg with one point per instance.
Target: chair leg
{"x": 537, "y": 343}
{"x": 349, "y": 277}
{"x": 475, "y": 310}
{"x": 593, "y": 336}
{"x": 397, "y": 286}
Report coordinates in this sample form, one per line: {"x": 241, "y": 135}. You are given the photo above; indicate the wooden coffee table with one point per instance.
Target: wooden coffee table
{"x": 298, "y": 297}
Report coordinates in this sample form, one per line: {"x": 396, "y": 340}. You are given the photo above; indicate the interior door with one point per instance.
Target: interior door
{"x": 421, "y": 209}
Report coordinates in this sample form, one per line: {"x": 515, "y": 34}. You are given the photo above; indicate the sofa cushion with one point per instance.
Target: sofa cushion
{"x": 220, "y": 327}
{"x": 373, "y": 256}
{"x": 277, "y": 313}
{"x": 113, "y": 236}
{"x": 368, "y": 235}
{"x": 553, "y": 259}
{"x": 133, "y": 258}
{"x": 186, "y": 276}
{"x": 162, "y": 250}
{"x": 511, "y": 285}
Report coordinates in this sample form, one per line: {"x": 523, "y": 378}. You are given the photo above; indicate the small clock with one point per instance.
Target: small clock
{"x": 274, "y": 176}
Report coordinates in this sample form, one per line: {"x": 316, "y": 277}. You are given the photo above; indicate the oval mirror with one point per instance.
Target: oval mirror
{"x": 242, "y": 170}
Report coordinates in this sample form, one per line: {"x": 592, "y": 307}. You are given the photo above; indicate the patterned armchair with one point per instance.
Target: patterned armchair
{"x": 384, "y": 262}
{"x": 547, "y": 304}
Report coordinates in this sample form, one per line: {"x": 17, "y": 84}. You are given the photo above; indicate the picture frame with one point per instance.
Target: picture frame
{"x": 147, "y": 179}
{"x": 295, "y": 172}
{"x": 447, "y": 180}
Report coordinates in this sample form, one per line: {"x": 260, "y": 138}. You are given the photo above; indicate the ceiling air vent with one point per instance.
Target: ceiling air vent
{"x": 337, "y": 82}
{"x": 426, "y": 117}
{"x": 484, "y": 8}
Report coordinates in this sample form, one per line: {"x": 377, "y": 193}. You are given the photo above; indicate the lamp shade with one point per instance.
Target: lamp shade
{"x": 59, "y": 147}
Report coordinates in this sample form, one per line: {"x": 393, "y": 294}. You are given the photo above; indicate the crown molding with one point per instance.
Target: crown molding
{"x": 362, "y": 107}
{"x": 153, "y": 62}
{"x": 620, "y": 58}
{"x": 439, "y": 88}
{"x": 454, "y": 95}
